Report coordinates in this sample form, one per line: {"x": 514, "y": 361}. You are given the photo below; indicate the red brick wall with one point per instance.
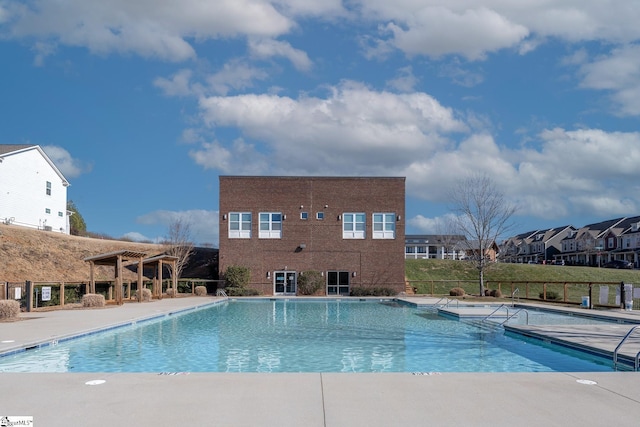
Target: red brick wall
{"x": 376, "y": 262}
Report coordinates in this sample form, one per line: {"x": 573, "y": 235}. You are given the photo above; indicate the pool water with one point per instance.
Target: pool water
{"x": 302, "y": 336}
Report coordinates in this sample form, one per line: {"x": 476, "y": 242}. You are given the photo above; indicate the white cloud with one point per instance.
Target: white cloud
{"x": 150, "y": 28}
{"x": 618, "y": 73}
{"x": 235, "y": 75}
{"x": 239, "y": 158}
{"x": 405, "y": 80}
{"x": 352, "y": 130}
{"x": 268, "y": 48}
{"x": 437, "y": 31}
{"x": 70, "y": 167}
{"x": 437, "y": 225}
{"x": 203, "y": 224}
{"x": 178, "y": 85}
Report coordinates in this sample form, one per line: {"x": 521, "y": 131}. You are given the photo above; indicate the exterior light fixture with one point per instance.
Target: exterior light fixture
{"x": 398, "y": 218}
{"x": 224, "y": 216}
{"x": 268, "y": 275}
{"x": 339, "y": 217}
{"x": 302, "y": 245}
{"x": 353, "y": 274}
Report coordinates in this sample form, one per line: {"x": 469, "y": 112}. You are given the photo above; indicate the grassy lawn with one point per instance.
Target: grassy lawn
{"x": 440, "y": 276}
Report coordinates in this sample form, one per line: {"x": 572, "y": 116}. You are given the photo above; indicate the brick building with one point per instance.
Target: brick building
{"x": 349, "y": 229}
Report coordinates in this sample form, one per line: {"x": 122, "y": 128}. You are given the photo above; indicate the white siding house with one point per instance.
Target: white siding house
{"x": 33, "y": 192}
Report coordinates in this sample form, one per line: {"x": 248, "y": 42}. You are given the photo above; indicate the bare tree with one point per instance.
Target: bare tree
{"x": 446, "y": 230}
{"x": 482, "y": 215}
{"x": 179, "y": 244}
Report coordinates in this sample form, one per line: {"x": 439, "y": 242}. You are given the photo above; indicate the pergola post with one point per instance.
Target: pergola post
{"x": 92, "y": 283}
{"x": 118, "y": 295}
{"x": 140, "y": 271}
{"x": 159, "y": 279}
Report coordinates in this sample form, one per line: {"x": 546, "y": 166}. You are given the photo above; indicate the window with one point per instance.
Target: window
{"x": 353, "y": 226}
{"x": 304, "y": 215}
{"x": 60, "y": 214}
{"x": 338, "y": 283}
{"x": 47, "y": 210}
{"x": 240, "y": 225}
{"x": 410, "y": 249}
{"x": 610, "y": 243}
{"x": 384, "y": 226}
{"x": 270, "y": 225}
{"x": 320, "y": 215}
{"x": 48, "y": 188}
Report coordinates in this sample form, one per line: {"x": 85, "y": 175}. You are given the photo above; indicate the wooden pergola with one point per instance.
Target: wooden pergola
{"x": 116, "y": 259}
{"x": 157, "y": 262}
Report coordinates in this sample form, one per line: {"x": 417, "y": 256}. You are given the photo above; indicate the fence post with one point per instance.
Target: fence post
{"x": 29, "y": 292}
{"x": 590, "y": 296}
{"x": 622, "y": 295}
{"x": 61, "y": 294}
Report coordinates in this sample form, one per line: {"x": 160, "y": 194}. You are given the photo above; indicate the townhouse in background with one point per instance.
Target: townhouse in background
{"x": 33, "y": 192}
{"x": 351, "y": 229}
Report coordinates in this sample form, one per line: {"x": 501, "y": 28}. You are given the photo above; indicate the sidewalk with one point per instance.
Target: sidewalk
{"x": 306, "y": 399}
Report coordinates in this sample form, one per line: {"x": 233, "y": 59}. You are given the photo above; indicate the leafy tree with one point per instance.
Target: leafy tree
{"x": 482, "y": 215}
{"x": 76, "y": 221}
{"x": 309, "y": 282}
{"x": 237, "y": 276}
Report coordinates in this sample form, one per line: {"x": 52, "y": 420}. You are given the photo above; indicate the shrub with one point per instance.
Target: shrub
{"x": 551, "y": 295}
{"x": 9, "y": 309}
{"x": 377, "y": 291}
{"x": 237, "y": 276}
{"x": 456, "y": 292}
{"x": 93, "y": 300}
{"x": 146, "y": 294}
{"x": 309, "y": 282}
{"x": 201, "y": 291}
{"x": 241, "y": 292}
{"x": 171, "y": 293}
{"x": 496, "y": 293}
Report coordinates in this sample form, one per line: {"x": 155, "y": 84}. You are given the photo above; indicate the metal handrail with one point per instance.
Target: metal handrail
{"x": 221, "y": 293}
{"x": 513, "y": 294}
{"x": 515, "y": 314}
{"x": 496, "y": 310}
{"x": 615, "y": 352}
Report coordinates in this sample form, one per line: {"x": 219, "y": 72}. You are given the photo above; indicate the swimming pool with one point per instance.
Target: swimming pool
{"x": 302, "y": 336}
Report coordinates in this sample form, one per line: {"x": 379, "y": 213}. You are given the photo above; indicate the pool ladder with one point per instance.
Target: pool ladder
{"x": 636, "y": 362}
{"x": 447, "y": 301}
{"x": 509, "y": 317}
{"x": 221, "y": 293}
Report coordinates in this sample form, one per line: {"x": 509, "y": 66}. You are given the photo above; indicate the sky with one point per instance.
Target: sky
{"x": 142, "y": 104}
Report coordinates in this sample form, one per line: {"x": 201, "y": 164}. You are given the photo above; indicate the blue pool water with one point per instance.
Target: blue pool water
{"x": 302, "y": 336}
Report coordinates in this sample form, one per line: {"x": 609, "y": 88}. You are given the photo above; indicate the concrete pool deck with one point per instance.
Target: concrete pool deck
{"x": 306, "y": 399}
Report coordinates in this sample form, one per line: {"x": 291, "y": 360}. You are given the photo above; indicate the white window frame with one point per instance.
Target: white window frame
{"x": 384, "y": 225}
{"x": 270, "y": 225}
{"x": 354, "y": 225}
{"x": 243, "y": 220}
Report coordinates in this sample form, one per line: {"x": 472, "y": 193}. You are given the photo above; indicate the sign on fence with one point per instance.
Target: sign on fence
{"x": 46, "y": 293}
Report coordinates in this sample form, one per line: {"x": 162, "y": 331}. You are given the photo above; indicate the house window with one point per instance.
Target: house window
{"x": 270, "y": 225}
{"x": 240, "y": 225}
{"x": 384, "y": 226}
{"x": 410, "y": 249}
{"x": 47, "y": 210}
{"x": 48, "y": 188}
{"x": 610, "y": 242}
{"x": 320, "y": 215}
{"x": 304, "y": 215}
{"x": 338, "y": 283}
{"x": 60, "y": 214}
{"x": 353, "y": 226}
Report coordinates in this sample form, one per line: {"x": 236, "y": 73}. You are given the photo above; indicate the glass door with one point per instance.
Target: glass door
{"x": 284, "y": 283}
{"x": 338, "y": 283}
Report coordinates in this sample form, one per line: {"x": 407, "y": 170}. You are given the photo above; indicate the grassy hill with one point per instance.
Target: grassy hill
{"x": 28, "y": 254}
{"x": 438, "y": 276}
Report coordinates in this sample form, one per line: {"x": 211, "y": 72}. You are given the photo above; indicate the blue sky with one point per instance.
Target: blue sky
{"x": 144, "y": 103}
